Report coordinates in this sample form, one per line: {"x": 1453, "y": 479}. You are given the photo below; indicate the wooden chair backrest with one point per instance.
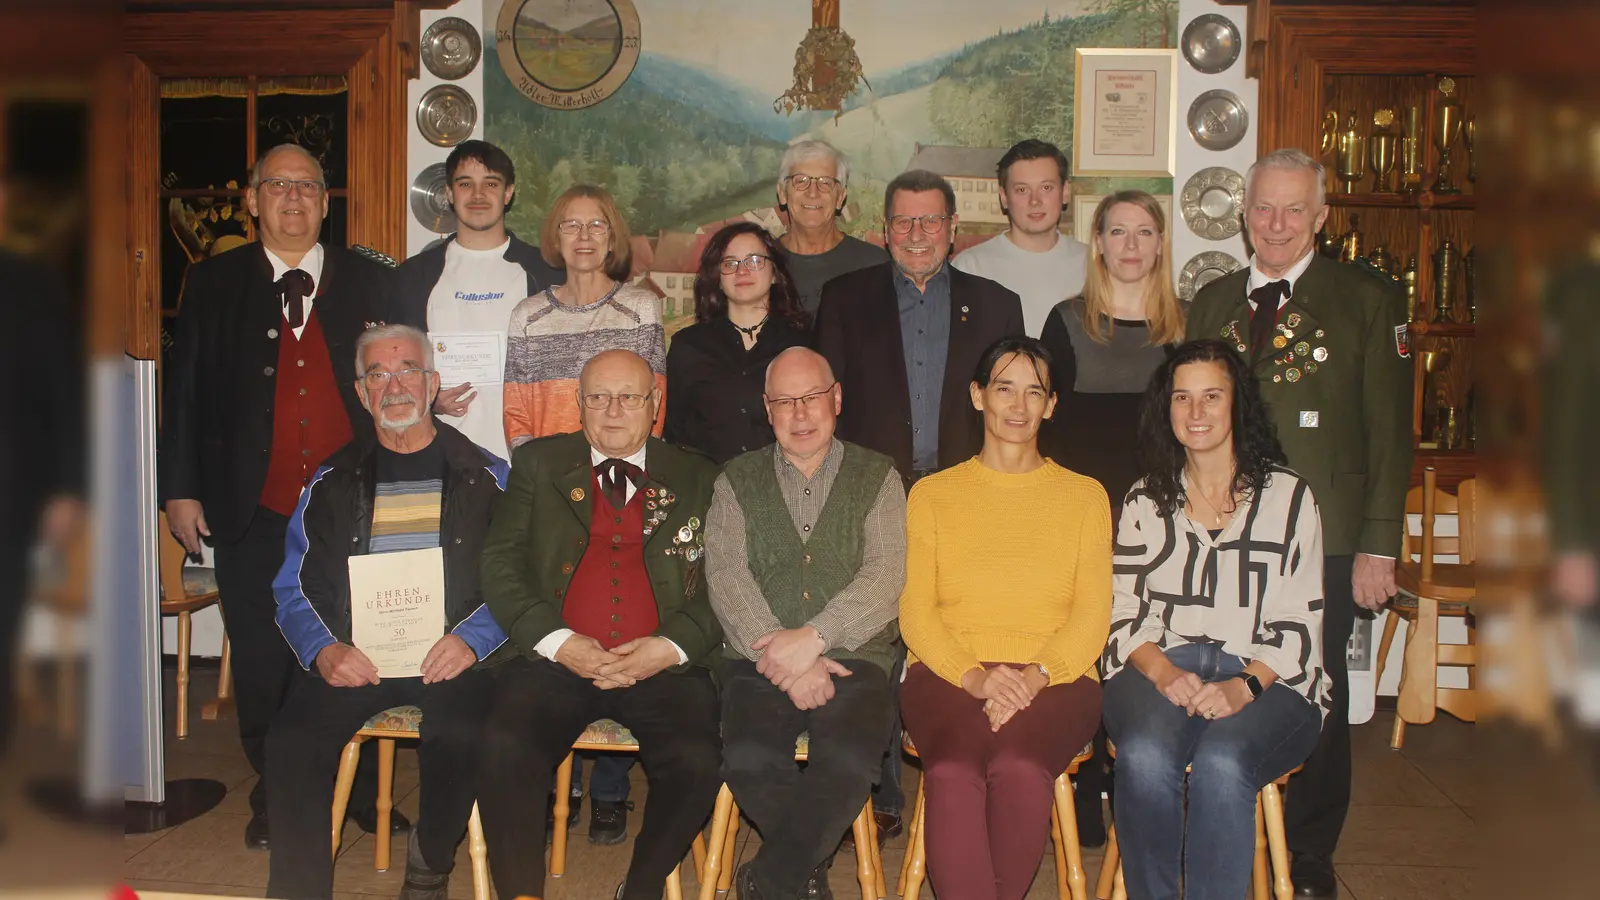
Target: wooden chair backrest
{"x": 171, "y": 559}
{"x": 1460, "y": 504}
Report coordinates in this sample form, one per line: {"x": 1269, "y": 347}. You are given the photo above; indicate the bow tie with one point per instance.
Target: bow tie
{"x": 615, "y": 475}
{"x": 293, "y": 288}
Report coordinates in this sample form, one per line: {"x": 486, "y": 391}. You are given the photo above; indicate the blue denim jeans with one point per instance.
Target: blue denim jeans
{"x": 1231, "y": 759}
{"x": 609, "y": 783}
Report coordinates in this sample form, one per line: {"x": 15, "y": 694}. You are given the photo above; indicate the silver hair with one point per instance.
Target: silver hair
{"x": 392, "y": 333}
{"x": 827, "y": 370}
{"x": 261, "y": 163}
{"x": 806, "y": 151}
{"x": 1291, "y": 159}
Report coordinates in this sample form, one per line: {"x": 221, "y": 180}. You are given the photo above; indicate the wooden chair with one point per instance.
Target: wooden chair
{"x": 1430, "y": 591}
{"x": 603, "y": 734}
{"x": 716, "y": 870}
{"x": 399, "y": 723}
{"x": 1070, "y": 879}
{"x": 184, "y": 590}
{"x": 1270, "y": 878}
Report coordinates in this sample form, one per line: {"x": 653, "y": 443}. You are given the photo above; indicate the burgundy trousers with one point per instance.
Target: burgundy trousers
{"x": 989, "y": 793}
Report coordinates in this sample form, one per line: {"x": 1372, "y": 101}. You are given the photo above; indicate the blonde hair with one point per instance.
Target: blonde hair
{"x": 619, "y": 260}
{"x": 1161, "y": 309}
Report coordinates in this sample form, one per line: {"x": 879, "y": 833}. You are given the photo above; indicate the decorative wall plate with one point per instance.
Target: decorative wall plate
{"x": 1218, "y": 120}
{"x": 567, "y": 54}
{"x": 1212, "y": 202}
{"x": 451, "y": 47}
{"x": 1202, "y": 269}
{"x": 446, "y": 115}
{"x": 1211, "y": 43}
{"x": 429, "y": 203}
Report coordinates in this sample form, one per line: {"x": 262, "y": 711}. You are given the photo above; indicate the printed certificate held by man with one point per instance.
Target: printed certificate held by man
{"x": 397, "y": 608}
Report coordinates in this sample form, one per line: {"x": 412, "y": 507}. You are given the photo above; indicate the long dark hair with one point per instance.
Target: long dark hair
{"x": 709, "y": 302}
{"x": 1255, "y": 439}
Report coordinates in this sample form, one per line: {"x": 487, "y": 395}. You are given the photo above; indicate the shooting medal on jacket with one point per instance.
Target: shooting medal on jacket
{"x": 576, "y": 495}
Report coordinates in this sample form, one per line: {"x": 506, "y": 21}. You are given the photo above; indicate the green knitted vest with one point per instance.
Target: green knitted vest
{"x": 799, "y": 578}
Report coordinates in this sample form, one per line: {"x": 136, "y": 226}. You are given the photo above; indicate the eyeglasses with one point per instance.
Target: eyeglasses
{"x": 597, "y": 226}
{"x": 379, "y": 381}
{"x": 812, "y": 402}
{"x": 278, "y": 187}
{"x": 755, "y": 262}
{"x": 824, "y": 183}
{"x": 603, "y": 401}
{"x": 930, "y": 224}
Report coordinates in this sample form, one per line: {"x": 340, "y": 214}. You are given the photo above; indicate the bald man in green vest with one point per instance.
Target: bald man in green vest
{"x": 805, "y": 559}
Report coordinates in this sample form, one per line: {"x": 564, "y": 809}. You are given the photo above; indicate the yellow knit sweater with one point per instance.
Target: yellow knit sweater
{"x": 1007, "y": 568}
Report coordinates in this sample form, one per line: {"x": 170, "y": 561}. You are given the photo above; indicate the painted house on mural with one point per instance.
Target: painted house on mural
{"x": 672, "y": 270}
{"x": 971, "y": 172}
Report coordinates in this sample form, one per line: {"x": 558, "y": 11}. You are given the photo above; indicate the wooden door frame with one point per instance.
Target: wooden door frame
{"x": 373, "y": 43}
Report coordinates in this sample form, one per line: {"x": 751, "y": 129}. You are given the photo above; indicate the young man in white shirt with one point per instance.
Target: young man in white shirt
{"x": 467, "y": 285}
{"x": 1032, "y": 258}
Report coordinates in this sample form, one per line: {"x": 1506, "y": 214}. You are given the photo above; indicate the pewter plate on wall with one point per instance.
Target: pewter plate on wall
{"x": 451, "y": 47}
{"x": 446, "y": 115}
{"x": 1212, "y": 201}
{"x": 1218, "y": 120}
{"x": 1203, "y": 269}
{"x": 429, "y": 203}
{"x": 1211, "y": 43}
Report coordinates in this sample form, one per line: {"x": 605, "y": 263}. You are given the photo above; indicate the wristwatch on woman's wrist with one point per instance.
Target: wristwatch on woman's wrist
{"x": 1043, "y": 671}
{"x": 1253, "y": 683}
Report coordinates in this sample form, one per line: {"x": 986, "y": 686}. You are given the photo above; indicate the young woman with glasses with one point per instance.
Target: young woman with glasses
{"x": 554, "y": 332}
{"x": 746, "y": 313}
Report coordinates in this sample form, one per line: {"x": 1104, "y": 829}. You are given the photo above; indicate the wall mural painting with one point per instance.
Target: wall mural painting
{"x": 683, "y": 113}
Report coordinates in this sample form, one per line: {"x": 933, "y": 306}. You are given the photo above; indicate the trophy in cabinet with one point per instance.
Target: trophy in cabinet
{"x": 1433, "y": 362}
{"x": 1469, "y": 136}
{"x": 1444, "y": 282}
{"x": 1381, "y": 259}
{"x": 1409, "y": 279}
{"x": 1351, "y": 159}
{"x": 1385, "y": 146}
{"x": 1446, "y": 129}
{"x": 1329, "y": 244}
{"x": 1411, "y": 153}
{"x": 1470, "y": 283}
{"x": 1350, "y": 243}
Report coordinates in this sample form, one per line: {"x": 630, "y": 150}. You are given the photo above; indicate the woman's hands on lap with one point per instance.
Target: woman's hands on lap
{"x": 1219, "y": 699}
{"x": 1004, "y": 691}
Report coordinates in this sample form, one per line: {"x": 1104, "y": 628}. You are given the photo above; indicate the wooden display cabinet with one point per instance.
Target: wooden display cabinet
{"x": 1354, "y": 59}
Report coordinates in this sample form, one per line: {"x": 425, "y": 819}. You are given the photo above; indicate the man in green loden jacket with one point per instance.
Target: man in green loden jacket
{"x": 1329, "y": 345}
{"x": 595, "y": 569}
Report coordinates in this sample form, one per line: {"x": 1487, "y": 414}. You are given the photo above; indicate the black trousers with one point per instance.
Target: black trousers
{"x": 887, "y": 795}
{"x": 13, "y": 586}
{"x": 311, "y": 729}
{"x": 1319, "y": 796}
{"x": 801, "y": 812}
{"x": 263, "y": 664}
{"x": 539, "y": 709}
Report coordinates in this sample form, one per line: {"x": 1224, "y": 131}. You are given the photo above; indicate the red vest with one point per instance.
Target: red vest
{"x": 308, "y": 417}
{"x": 610, "y": 598}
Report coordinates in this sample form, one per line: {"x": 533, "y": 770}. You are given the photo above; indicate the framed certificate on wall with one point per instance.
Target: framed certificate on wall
{"x": 1125, "y": 113}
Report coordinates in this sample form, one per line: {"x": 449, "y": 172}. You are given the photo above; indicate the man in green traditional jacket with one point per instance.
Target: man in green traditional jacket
{"x": 594, "y": 568}
{"x": 1329, "y": 345}
{"x": 806, "y": 557}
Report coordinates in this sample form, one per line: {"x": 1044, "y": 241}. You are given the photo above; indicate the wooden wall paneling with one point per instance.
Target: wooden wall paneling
{"x": 254, "y": 41}
{"x": 142, "y": 175}
{"x": 377, "y": 148}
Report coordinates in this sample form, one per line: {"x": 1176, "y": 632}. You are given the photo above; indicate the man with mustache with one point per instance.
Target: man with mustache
{"x": 913, "y": 407}
{"x": 470, "y": 282}
{"x": 259, "y": 389}
{"x": 420, "y": 484}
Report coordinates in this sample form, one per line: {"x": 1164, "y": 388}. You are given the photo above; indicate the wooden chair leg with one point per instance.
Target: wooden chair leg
{"x": 1259, "y": 876}
{"x": 698, "y": 850}
{"x": 1104, "y": 885}
{"x": 675, "y": 884}
{"x": 380, "y": 853}
{"x": 1277, "y": 842}
{"x": 917, "y": 851}
{"x": 185, "y": 632}
{"x": 348, "y": 760}
{"x": 1119, "y": 888}
{"x": 1391, "y": 623}
{"x": 913, "y": 828}
{"x": 711, "y": 872}
{"x": 730, "y": 849}
{"x": 1067, "y": 813}
{"x": 558, "y": 836}
{"x": 862, "y": 829}
{"x": 1059, "y": 844}
{"x": 878, "y": 891}
{"x": 478, "y": 851}
{"x": 223, "y": 704}
{"x": 1419, "y": 679}
{"x": 66, "y": 677}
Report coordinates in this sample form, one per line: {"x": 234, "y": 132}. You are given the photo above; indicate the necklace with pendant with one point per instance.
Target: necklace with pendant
{"x": 751, "y": 331}
{"x": 1215, "y": 513}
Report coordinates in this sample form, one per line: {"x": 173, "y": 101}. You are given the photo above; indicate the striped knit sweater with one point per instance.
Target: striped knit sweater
{"x": 549, "y": 343}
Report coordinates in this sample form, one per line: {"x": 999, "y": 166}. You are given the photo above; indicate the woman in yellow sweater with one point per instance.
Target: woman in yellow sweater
{"x": 1005, "y": 611}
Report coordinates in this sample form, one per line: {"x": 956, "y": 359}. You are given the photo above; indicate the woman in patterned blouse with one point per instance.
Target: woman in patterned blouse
{"x": 1214, "y": 660}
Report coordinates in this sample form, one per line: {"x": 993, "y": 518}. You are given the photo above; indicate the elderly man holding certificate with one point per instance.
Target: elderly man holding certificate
{"x": 380, "y": 598}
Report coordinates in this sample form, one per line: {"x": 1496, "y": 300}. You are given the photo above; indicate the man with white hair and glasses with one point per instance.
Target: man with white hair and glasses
{"x": 813, "y": 184}
{"x": 407, "y": 482}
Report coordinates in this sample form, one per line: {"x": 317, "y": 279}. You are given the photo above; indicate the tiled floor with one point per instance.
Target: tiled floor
{"x": 1410, "y": 834}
